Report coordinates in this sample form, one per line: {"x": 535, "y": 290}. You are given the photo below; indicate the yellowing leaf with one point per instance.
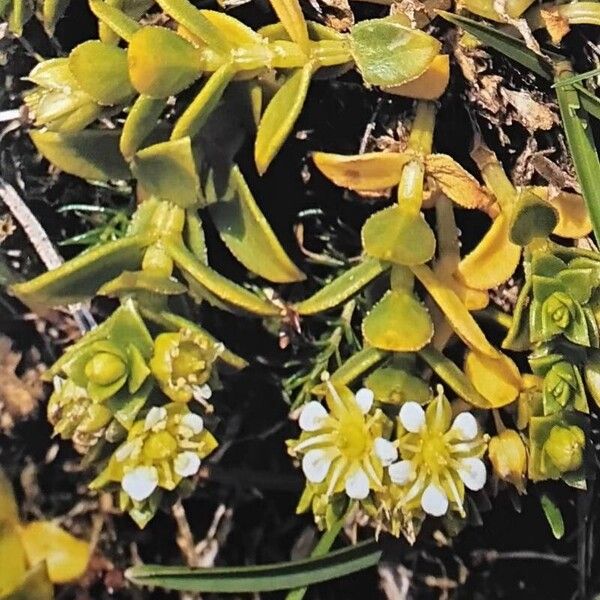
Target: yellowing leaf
{"x": 388, "y": 53}
{"x": 101, "y": 71}
{"x": 233, "y": 30}
{"x": 89, "y": 154}
{"x": 398, "y": 236}
{"x": 162, "y": 63}
{"x": 291, "y": 17}
{"x": 430, "y": 85}
{"x": 493, "y": 260}
{"x": 573, "y": 218}
{"x": 12, "y": 557}
{"x": 398, "y": 322}
{"x": 9, "y": 512}
{"x": 66, "y": 556}
{"x": 35, "y": 586}
{"x": 456, "y": 183}
{"x": 371, "y": 171}
{"x": 496, "y": 379}
{"x": 471, "y": 298}
{"x": 455, "y": 311}
{"x": 280, "y": 116}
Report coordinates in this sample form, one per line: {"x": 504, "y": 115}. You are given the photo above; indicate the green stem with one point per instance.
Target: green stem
{"x": 447, "y": 234}
{"x": 494, "y": 176}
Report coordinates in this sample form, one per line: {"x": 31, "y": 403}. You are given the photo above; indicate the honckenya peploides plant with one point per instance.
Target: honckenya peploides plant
{"x": 436, "y": 333}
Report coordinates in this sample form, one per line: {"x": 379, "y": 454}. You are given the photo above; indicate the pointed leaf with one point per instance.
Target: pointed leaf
{"x": 280, "y": 116}
{"x": 89, "y": 154}
{"x": 118, "y": 22}
{"x": 398, "y": 236}
{"x": 291, "y": 17}
{"x": 455, "y": 311}
{"x": 80, "y": 278}
{"x": 247, "y": 233}
{"x": 52, "y": 12}
{"x": 140, "y": 123}
{"x": 388, "y": 53}
{"x": 371, "y": 171}
{"x": 553, "y": 516}
{"x": 398, "y": 322}
{"x": 342, "y": 287}
{"x": 168, "y": 170}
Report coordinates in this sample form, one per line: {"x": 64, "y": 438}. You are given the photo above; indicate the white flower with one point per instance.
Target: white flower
{"x": 342, "y": 448}
{"x": 139, "y": 483}
{"x": 186, "y": 464}
{"x": 440, "y": 458}
{"x": 156, "y": 419}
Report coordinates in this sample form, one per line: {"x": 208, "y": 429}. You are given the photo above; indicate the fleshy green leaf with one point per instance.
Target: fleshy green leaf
{"x": 101, "y": 71}
{"x": 80, "y": 278}
{"x": 247, "y": 233}
{"x": 398, "y": 236}
{"x": 89, "y": 154}
{"x": 532, "y": 218}
{"x": 342, "y": 287}
{"x": 280, "y": 576}
{"x": 168, "y": 170}
{"x": 394, "y": 384}
{"x": 399, "y": 323}
{"x": 553, "y": 516}
{"x": 118, "y": 22}
{"x": 389, "y": 53}
{"x": 52, "y": 12}
{"x": 280, "y": 115}
{"x": 140, "y": 122}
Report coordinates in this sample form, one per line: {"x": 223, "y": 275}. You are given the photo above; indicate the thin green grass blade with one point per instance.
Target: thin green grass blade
{"x": 577, "y": 78}
{"x": 581, "y": 147}
{"x": 264, "y": 578}
{"x": 322, "y": 547}
{"x": 589, "y": 102}
{"x": 512, "y": 47}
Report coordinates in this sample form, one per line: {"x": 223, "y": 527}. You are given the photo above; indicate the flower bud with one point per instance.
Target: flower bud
{"x": 105, "y": 368}
{"x": 508, "y": 456}
{"x": 564, "y": 447}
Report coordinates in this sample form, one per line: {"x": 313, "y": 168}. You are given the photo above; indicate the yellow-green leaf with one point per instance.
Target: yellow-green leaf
{"x": 162, "y": 63}
{"x": 455, "y": 311}
{"x": 52, "y": 11}
{"x": 66, "y": 556}
{"x": 280, "y": 115}
{"x": 140, "y": 122}
{"x": 90, "y": 154}
{"x": 168, "y": 170}
{"x": 398, "y": 322}
{"x": 497, "y": 379}
{"x": 101, "y": 71}
{"x": 113, "y": 21}
{"x": 246, "y": 231}
{"x": 35, "y": 586}
{"x": 398, "y": 236}
{"x": 573, "y": 218}
{"x": 389, "y": 53}
{"x": 493, "y": 260}
{"x": 291, "y": 17}
{"x": 80, "y": 278}
{"x": 371, "y": 171}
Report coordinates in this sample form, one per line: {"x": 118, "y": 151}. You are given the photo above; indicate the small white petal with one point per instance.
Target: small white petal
{"x": 205, "y": 391}
{"x": 311, "y": 416}
{"x": 466, "y": 426}
{"x": 412, "y": 417}
{"x": 315, "y": 465}
{"x": 186, "y": 464}
{"x": 193, "y": 422}
{"x": 364, "y": 398}
{"x": 434, "y": 501}
{"x": 357, "y": 484}
{"x": 124, "y": 451}
{"x": 472, "y": 472}
{"x": 139, "y": 483}
{"x": 155, "y": 415}
{"x": 386, "y": 451}
{"x": 401, "y": 472}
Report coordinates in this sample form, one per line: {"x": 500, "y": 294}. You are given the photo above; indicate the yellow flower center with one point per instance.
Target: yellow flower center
{"x": 188, "y": 362}
{"x": 105, "y": 368}
{"x": 160, "y": 446}
{"x": 434, "y": 452}
{"x": 353, "y": 437}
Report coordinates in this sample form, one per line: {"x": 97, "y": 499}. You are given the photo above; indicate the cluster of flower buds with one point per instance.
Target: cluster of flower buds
{"x": 133, "y": 393}
{"x": 399, "y": 472}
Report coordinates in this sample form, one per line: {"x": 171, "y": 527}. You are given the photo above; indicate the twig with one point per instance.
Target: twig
{"x": 42, "y": 245}
{"x": 490, "y": 556}
{"x": 185, "y": 538}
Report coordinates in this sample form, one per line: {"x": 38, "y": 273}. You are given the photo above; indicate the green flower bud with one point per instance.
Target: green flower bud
{"x": 105, "y": 368}
{"x": 508, "y": 456}
{"x": 564, "y": 447}
{"x": 182, "y": 364}
{"x": 559, "y": 309}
